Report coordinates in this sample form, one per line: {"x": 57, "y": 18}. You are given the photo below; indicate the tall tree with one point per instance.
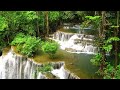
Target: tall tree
{"x": 102, "y": 37}
{"x": 37, "y": 21}
{"x": 116, "y": 44}
{"x": 47, "y": 22}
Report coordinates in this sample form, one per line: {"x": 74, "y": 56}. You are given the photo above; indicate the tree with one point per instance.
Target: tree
{"x": 116, "y": 44}
{"x": 47, "y": 22}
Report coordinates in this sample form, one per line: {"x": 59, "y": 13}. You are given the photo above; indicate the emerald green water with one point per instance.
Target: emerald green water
{"x": 83, "y": 64}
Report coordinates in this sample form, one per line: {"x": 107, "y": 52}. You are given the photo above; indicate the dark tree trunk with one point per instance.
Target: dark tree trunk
{"x": 37, "y": 26}
{"x": 116, "y": 44}
{"x": 102, "y": 36}
{"x": 47, "y": 22}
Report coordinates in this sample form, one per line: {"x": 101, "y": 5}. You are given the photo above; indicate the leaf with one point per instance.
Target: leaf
{"x": 111, "y": 39}
{"x": 114, "y": 26}
{"x": 108, "y": 48}
{"x": 3, "y": 23}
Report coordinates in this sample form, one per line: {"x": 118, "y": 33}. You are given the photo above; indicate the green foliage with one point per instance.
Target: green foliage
{"x": 85, "y": 24}
{"x": 107, "y": 48}
{"x": 108, "y": 43}
{"x": 67, "y": 15}
{"x": 94, "y": 18}
{"x": 91, "y": 20}
{"x": 19, "y": 39}
{"x": 26, "y": 45}
{"x": 117, "y": 74}
{"x": 50, "y": 48}
{"x": 3, "y": 23}
{"x": 53, "y": 15}
{"x": 19, "y": 47}
{"x": 111, "y": 39}
{"x": 114, "y": 26}
{"x": 119, "y": 54}
{"x": 78, "y": 16}
{"x": 96, "y": 59}
{"x": 112, "y": 73}
{"x": 109, "y": 72}
{"x": 46, "y": 68}
{"x": 30, "y": 46}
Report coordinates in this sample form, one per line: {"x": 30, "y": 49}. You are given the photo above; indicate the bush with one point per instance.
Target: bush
{"x": 19, "y": 39}
{"x": 26, "y": 45}
{"x": 46, "y": 68}
{"x": 31, "y": 46}
{"x": 50, "y": 48}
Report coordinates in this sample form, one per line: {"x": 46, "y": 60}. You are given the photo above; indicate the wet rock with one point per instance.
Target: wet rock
{"x": 0, "y": 52}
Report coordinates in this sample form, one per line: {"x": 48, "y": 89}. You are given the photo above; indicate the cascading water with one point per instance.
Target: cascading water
{"x": 75, "y": 43}
{"x": 13, "y": 66}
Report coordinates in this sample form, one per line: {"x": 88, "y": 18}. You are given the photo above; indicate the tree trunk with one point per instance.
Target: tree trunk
{"x": 47, "y": 23}
{"x": 102, "y": 36}
{"x": 116, "y": 44}
{"x": 38, "y": 31}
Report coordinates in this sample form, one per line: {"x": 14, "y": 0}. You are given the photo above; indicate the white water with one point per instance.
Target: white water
{"x": 17, "y": 67}
{"x": 59, "y": 73}
{"x": 13, "y": 66}
{"x": 62, "y": 73}
{"x": 75, "y": 43}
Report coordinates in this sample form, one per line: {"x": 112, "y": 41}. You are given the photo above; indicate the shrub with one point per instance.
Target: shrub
{"x": 26, "y": 45}
{"x": 31, "y": 46}
{"x": 50, "y": 48}
{"x": 46, "y": 68}
{"x": 19, "y": 39}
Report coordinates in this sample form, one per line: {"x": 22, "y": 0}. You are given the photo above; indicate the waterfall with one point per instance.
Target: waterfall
{"x": 59, "y": 72}
{"x": 63, "y": 73}
{"x": 61, "y": 36}
{"x": 75, "y": 43}
{"x": 13, "y": 66}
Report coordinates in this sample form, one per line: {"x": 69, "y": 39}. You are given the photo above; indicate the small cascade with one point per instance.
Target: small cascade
{"x": 63, "y": 73}
{"x": 61, "y": 36}
{"x": 75, "y": 43}
{"x": 59, "y": 73}
{"x": 13, "y": 66}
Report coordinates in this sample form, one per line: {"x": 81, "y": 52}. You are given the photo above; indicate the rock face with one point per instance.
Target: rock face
{"x": 13, "y": 66}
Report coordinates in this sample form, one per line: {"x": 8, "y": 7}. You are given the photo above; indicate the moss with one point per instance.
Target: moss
{"x": 6, "y": 50}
